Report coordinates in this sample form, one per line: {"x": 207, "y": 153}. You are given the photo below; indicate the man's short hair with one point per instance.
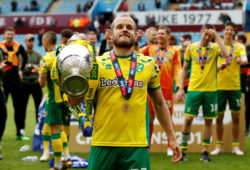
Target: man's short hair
{"x": 207, "y": 26}
{"x": 163, "y": 27}
{"x": 51, "y": 37}
{"x": 9, "y": 29}
{"x": 242, "y": 37}
{"x": 149, "y": 30}
{"x": 230, "y": 24}
{"x": 187, "y": 37}
{"x": 67, "y": 33}
{"x": 91, "y": 33}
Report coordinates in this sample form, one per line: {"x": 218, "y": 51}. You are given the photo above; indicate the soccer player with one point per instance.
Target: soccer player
{"x": 185, "y": 41}
{"x": 151, "y": 34}
{"x": 92, "y": 38}
{"x": 105, "y": 41}
{"x": 229, "y": 89}
{"x": 201, "y": 57}
{"x": 120, "y": 121}
{"x": 31, "y": 74}
{"x": 16, "y": 57}
{"x": 170, "y": 67}
{"x": 56, "y": 110}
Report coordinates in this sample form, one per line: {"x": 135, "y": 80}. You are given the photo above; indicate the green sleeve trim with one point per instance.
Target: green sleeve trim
{"x": 153, "y": 89}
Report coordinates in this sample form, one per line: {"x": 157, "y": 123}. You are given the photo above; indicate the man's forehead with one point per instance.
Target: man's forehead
{"x": 123, "y": 20}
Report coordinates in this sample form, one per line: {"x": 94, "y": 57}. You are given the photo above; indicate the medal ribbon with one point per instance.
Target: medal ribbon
{"x": 203, "y": 59}
{"x": 125, "y": 89}
{"x": 161, "y": 58}
{"x": 229, "y": 59}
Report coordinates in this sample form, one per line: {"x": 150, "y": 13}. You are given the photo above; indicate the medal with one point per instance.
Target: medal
{"x": 126, "y": 88}
{"x": 161, "y": 58}
{"x": 126, "y": 107}
{"x": 203, "y": 59}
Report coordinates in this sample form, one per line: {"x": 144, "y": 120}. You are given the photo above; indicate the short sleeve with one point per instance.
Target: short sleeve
{"x": 154, "y": 82}
{"x": 44, "y": 65}
{"x": 242, "y": 50}
{"x": 187, "y": 56}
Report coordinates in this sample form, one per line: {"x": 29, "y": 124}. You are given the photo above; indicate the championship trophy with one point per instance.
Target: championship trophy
{"x": 74, "y": 64}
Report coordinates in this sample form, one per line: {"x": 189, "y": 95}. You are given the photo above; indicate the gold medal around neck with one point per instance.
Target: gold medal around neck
{"x": 126, "y": 107}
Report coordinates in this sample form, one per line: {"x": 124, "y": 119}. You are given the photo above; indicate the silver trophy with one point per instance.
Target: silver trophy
{"x": 74, "y": 64}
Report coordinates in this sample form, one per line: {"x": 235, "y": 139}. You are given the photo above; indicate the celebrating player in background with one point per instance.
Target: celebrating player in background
{"x": 241, "y": 38}
{"x": 202, "y": 85}
{"x": 185, "y": 41}
{"x": 92, "y": 38}
{"x": 228, "y": 86}
{"x": 120, "y": 121}
{"x": 170, "y": 67}
{"x": 151, "y": 34}
{"x": 11, "y": 51}
{"x": 105, "y": 41}
{"x": 56, "y": 110}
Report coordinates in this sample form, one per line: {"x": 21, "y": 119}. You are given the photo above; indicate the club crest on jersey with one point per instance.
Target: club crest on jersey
{"x": 114, "y": 82}
{"x": 139, "y": 67}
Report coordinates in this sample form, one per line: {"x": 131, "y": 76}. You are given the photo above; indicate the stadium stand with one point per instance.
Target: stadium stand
{"x": 42, "y": 7}
{"x": 69, "y": 7}
{"x": 149, "y": 5}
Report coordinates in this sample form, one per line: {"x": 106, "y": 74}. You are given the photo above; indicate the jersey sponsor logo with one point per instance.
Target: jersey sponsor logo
{"x": 107, "y": 66}
{"x": 114, "y": 82}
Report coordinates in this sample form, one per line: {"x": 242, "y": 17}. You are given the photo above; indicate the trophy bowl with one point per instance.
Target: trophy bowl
{"x": 74, "y": 64}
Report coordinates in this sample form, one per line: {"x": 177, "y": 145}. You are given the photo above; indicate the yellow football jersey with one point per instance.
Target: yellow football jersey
{"x": 202, "y": 79}
{"x": 114, "y": 126}
{"x": 53, "y": 91}
{"x": 229, "y": 78}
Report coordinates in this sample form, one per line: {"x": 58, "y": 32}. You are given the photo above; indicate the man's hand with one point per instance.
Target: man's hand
{"x": 222, "y": 66}
{"x": 180, "y": 95}
{"x": 20, "y": 74}
{"x": 75, "y": 101}
{"x": 35, "y": 69}
{"x": 241, "y": 61}
{"x": 107, "y": 34}
{"x": 138, "y": 36}
{"x": 3, "y": 64}
{"x": 177, "y": 152}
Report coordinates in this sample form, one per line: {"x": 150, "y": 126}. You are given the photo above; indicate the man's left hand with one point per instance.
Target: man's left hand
{"x": 177, "y": 152}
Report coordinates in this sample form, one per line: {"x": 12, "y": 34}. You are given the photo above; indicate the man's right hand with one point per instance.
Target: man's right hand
{"x": 3, "y": 64}
{"x": 75, "y": 101}
{"x": 180, "y": 95}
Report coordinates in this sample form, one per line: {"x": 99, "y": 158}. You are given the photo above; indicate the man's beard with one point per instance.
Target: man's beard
{"x": 124, "y": 44}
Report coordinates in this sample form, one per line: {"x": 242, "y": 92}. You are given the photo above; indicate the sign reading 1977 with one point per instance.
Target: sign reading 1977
{"x": 187, "y": 17}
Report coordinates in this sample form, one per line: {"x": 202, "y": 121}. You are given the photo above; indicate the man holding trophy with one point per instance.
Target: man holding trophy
{"x": 120, "y": 131}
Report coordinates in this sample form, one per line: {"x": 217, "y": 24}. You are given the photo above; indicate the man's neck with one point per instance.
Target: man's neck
{"x": 123, "y": 51}
{"x": 9, "y": 43}
{"x": 204, "y": 44}
{"x": 163, "y": 44}
{"x": 50, "y": 48}
{"x": 227, "y": 41}
{"x": 29, "y": 50}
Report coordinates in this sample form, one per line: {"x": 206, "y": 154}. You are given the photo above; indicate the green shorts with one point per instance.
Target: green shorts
{"x": 122, "y": 158}
{"x": 57, "y": 113}
{"x": 208, "y": 101}
{"x": 234, "y": 98}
